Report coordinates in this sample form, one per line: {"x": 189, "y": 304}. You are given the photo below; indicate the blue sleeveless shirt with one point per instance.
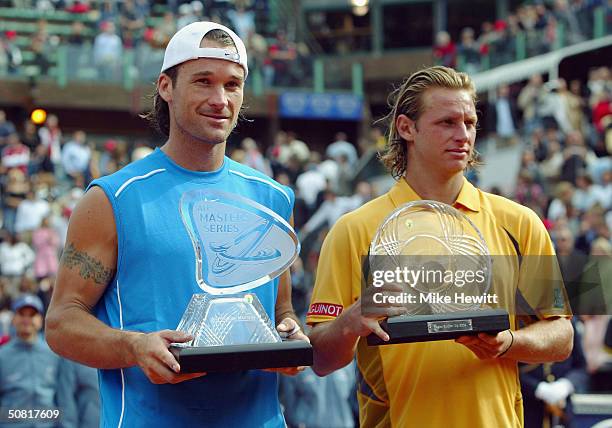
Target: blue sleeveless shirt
{"x": 153, "y": 284}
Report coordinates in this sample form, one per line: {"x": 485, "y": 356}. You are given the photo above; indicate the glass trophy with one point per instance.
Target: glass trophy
{"x": 441, "y": 263}
{"x": 239, "y": 245}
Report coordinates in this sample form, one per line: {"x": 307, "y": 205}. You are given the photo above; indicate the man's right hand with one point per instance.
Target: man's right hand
{"x": 150, "y": 352}
{"x": 363, "y": 317}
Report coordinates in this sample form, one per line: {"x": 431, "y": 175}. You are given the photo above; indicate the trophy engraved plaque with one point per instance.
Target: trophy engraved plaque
{"x": 239, "y": 245}
{"x": 440, "y": 261}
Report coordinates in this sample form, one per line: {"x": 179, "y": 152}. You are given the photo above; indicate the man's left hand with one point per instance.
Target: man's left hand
{"x": 290, "y": 329}
{"x": 486, "y": 346}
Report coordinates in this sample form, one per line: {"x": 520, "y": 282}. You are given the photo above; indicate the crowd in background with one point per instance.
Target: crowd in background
{"x": 97, "y": 47}
{"x": 539, "y": 22}
{"x": 563, "y": 130}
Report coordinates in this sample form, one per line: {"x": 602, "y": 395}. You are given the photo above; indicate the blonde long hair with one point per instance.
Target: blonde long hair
{"x": 408, "y": 100}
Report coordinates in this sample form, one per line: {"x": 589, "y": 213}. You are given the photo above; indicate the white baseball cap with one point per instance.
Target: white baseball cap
{"x": 185, "y": 46}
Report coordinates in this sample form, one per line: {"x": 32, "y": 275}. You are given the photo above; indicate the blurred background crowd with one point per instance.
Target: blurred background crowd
{"x": 557, "y": 133}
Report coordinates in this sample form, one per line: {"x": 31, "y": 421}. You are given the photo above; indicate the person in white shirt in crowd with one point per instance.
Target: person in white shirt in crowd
{"x": 243, "y": 21}
{"x": 31, "y": 212}
{"x": 254, "y": 158}
{"x": 335, "y": 207}
{"x": 553, "y": 108}
{"x": 558, "y": 208}
{"x": 107, "y": 51}
{"x": 584, "y": 197}
{"x": 186, "y": 16}
{"x": 603, "y": 191}
{"x": 340, "y": 147}
{"x": 16, "y": 257}
{"x": 76, "y": 155}
{"x": 310, "y": 183}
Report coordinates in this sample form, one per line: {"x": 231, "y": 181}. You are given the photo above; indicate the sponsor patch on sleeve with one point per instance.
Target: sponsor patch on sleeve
{"x": 328, "y": 309}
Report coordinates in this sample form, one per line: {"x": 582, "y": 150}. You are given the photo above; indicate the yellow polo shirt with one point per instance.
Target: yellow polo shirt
{"x": 436, "y": 384}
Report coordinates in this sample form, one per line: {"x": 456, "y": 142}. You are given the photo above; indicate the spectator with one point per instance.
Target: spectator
{"x": 576, "y": 157}
{"x": 30, "y": 137}
{"x": 243, "y": 21}
{"x": 574, "y": 104}
{"x": 78, "y": 395}
{"x": 186, "y": 16}
{"x": 310, "y": 183}
{"x": 10, "y": 54}
{"x": 340, "y": 147}
{"x": 603, "y": 190}
{"x": 468, "y": 51}
{"x": 79, "y": 7}
{"x": 445, "y": 52}
{"x": 572, "y": 262}
{"x": 296, "y": 150}
{"x": 15, "y": 258}
{"x": 15, "y": 190}
{"x": 141, "y": 150}
{"x": 528, "y": 192}
{"x": 31, "y": 212}
{"x": 254, "y": 158}
{"x": 107, "y": 51}
{"x": 6, "y": 127}
{"x": 566, "y": 17}
{"x": 50, "y": 138}
{"x": 281, "y": 53}
{"x": 76, "y": 156}
{"x": 46, "y": 243}
{"x": 503, "y": 115}
{"x": 547, "y": 388}
{"x": 164, "y": 31}
{"x": 585, "y": 195}
{"x": 560, "y": 206}
{"x": 529, "y": 100}
{"x": 335, "y": 206}
{"x": 28, "y": 368}
{"x": 108, "y": 12}
{"x": 15, "y": 154}
{"x": 76, "y": 36}
{"x": 258, "y": 45}
{"x": 553, "y": 109}
{"x": 41, "y": 56}
{"x": 131, "y": 23}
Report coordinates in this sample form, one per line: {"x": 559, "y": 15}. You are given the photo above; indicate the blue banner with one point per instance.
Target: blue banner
{"x": 307, "y": 105}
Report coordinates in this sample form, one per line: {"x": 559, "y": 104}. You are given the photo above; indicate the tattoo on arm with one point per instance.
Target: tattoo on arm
{"x": 89, "y": 268}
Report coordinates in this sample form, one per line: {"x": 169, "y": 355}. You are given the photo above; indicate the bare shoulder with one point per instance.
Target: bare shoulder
{"x": 89, "y": 259}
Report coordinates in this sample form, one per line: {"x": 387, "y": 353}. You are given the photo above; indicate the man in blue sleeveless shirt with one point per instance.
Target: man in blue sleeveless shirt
{"x": 127, "y": 272}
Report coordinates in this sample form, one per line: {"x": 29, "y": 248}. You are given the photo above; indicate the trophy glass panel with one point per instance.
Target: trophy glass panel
{"x": 436, "y": 238}
{"x": 227, "y": 320}
{"x": 239, "y": 245}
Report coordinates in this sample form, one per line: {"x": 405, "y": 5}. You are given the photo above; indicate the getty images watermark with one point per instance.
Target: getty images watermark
{"x": 431, "y": 286}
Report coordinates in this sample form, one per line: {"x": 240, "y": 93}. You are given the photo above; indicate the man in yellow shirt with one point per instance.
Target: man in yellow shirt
{"x": 469, "y": 382}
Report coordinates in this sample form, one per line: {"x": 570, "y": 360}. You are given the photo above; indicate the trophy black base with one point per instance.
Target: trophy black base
{"x": 426, "y": 328}
{"x": 231, "y": 358}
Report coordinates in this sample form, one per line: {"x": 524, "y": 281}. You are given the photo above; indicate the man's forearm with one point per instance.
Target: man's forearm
{"x": 543, "y": 341}
{"x": 76, "y": 334}
{"x": 334, "y": 345}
